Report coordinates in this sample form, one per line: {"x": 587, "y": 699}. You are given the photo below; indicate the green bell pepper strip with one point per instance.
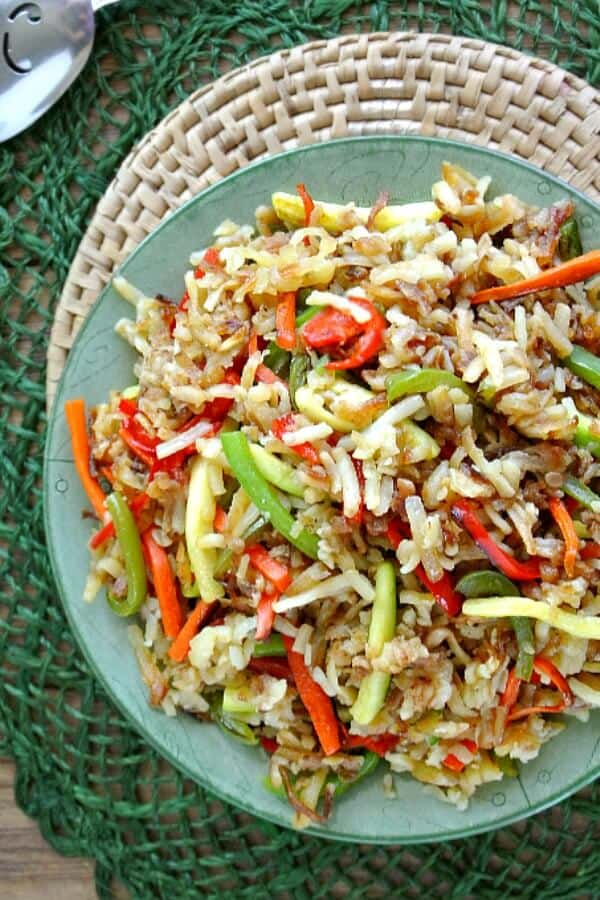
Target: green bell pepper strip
{"x": 569, "y": 241}
{"x": 369, "y": 764}
{"x": 272, "y": 646}
{"x": 131, "y": 548}
{"x": 277, "y": 791}
{"x": 580, "y": 492}
{"x": 230, "y": 725}
{"x": 306, "y": 315}
{"x": 584, "y": 364}
{"x": 299, "y": 369}
{"x": 420, "y": 381}
{"x": 374, "y": 686}
{"x": 237, "y": 451}
{"x": 489, "y": 583}
{"x": 276, "y": 359}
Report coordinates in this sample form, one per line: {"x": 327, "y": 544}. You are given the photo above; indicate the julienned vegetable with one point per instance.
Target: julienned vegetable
{"x": 272, "y": 646}
{"x": 570, "y": 272}
{"x": 239, "y": 457}
{"x": 569, "y": 241}
{"x": 584, "y": 364}
{"x": 465, "y": 514}
{"x": 76, "y": 421}
{"x": 277, "y": 471}
{"x": 567, "y": 529}
{"x": 164, "y": 585}
{"x": 199, "y": 518}
{"x": 180, "y": 647}
{"x": 420, "y": 381}
{"x": 581, "y": 492}
{"x": 586, "y": 434}
{"x": 131, "y": 548}
{"x": 374, "y": 686}
{"x": 318, "y": 704}
{"x": 502, "y": 607}
{"x": 547, "y": 669}
{"x": 487, "y": 583}
{"x": 292, "y": 211}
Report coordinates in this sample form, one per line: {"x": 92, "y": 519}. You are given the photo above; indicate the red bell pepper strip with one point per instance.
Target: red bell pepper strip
{"x": 453, "y": 762}
{"x": 379, "y": 743}
{"x": 217, "y": 409}
{"x": 308, "y": 202}
{"x": 368, "y": 344}
{"x": 285, "y": 321}
{"x": 127, "y": 407}
{"x": 180, "y": 647}
{"x": 287, "y": 423}
{"x": 76, "y": 421}
{"x": 464, "y": 513}
{"x": 561, "y": 516}
{"x": 511, "y": 691}
{"x": 139, "y": 503}
{"x": 211, "y": 257}
{"x": 269, "y": 744}
{"x": 443, "y": 590}
{"x": 543, "y": 666}
{"x": 199, "y": 272}
{"x": 330, "y": 328}
{"x": 164, "y": 585}
{"x": 265, "y": 615}
{"x": 570, "y": 272}
{"x": 271, "y": 665}
{"x": 183, "y": 303}
{"x": 318, "y": 704}
{"x": 263, "y": 562}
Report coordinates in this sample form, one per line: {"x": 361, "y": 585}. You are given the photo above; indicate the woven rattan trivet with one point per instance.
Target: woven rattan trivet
{"x": 452, "y": 87}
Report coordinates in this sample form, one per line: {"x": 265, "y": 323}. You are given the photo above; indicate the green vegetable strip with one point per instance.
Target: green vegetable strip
{"x": 131, "y": 548}
{"x": 236, "y": 449}
{"x": 299, "y": 369}
{"x": 369, "y": 764}
{"x": 277, "y": 471}
{"x": 272, "y": 646}
{"x": 374, "y": 687}
{"x": 420, "y": 381}
{"x": 584, "y": 364}
{"x": 569, "y": 241}
{"x": 584, "y": 437}
{"x": 307, "y": 315}
{"x": 230, "y": 725}
{"x": 580, "y": 492}
{"x": 489, "y": 583}
{"x": 277, "y": 360}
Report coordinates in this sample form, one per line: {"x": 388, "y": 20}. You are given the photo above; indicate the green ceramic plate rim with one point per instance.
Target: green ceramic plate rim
{"x": 148, "y": 735}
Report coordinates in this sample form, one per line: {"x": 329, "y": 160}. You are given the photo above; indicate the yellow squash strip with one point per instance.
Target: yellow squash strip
{"x": 199, "y": 518}
{"x": 503, "y": 607}
{"x": 290, "y": 209}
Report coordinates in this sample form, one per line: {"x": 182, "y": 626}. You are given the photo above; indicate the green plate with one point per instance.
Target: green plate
{"x": 354, "y": 169}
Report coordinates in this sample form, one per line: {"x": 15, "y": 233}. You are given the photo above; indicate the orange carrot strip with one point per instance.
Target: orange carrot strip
{"x": 164, "y": 585}
{"x": 511, "y": 691}
{"x": 545, "y": 667}
{"x": 285, "y": 321}
{"x": 569, "y": 272}
{"x": 265, "y": 615}
{"x": 180, "y": 647}
{"x": 76, "y": 421}
{"x": 252, "y": 343}
{"x": 318, "y": 704}
{"x": 564, "y": 521}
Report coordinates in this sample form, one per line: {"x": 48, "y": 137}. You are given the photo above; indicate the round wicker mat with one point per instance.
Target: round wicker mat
{"x": 439, "y": 85}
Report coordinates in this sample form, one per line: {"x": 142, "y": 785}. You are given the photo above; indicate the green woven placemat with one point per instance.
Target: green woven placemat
{"x": 89, "y": 780}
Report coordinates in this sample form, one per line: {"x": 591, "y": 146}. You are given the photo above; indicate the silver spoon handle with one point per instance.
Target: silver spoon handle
{"x": 98, "y": 4}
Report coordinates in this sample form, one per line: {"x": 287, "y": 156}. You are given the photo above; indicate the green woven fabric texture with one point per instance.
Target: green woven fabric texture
{"x": 91, "y": 782}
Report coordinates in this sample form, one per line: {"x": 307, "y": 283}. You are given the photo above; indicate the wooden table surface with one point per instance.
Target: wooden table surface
{"x": 29, "y": 867}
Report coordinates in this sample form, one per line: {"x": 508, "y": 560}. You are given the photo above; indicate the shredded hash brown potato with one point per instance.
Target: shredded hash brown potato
{"x": 332, "y": 458}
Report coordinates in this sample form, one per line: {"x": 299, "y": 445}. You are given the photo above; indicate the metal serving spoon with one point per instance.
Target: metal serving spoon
{"x": 43, "y": 48}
